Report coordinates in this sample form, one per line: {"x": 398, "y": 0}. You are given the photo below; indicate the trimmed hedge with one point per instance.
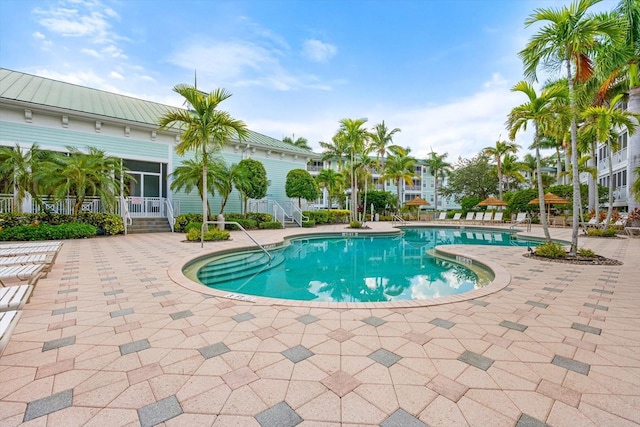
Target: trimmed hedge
{"x": 270, "y": 225}
{"x": 48, "y": 232}
{"x": 250, "y": 222}
{"x": 194, "y": 235}
{"x": 308, "y": 224}
{"x": 106, "y": 223}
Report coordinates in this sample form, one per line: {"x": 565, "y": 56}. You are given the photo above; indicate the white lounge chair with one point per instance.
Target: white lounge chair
{"x": 29, "y": 245}
{"x": 30, "y": 272}
{"x": 469, "y": 217}
{"x": 487, "y": 217}
{"x": 478, "y": 217}
{"x": 456, "y": 217}
{"x": 8, "y": 322}
{"x": 632, "y": 231}
{"x": 592, "y": 223}
{"x": 23, "y": 259}
{"x": 521, "y": 217}
{"x": 498, "y": 217}
{"x": 442, "y": 217}
{"x": 14, "y": 297}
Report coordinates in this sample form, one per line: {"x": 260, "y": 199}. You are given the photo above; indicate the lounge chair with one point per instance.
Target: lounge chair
{"x": 478, "y": 217}
{"x": 488, "y": 216}
{"x": 469, "y": 217}
{"x": 632, "y": 231}
{"x": 29, "y": 245}
{"x": 23, "y": 259}
{"x": 498, "y": 217}
{"x": 456, "y": 217}
{"x": 14, "y": 297}
{"x": 442, "y": 217}
{"x": 521, "y": 217}
{"x": 592, "y": 223}
{"x": 8, "y": 322}
{"x": 30, "y": 272}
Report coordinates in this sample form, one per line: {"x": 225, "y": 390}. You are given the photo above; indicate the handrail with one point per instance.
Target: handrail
{"x": 397, "y": 218}
{"x": 279, "y": 218}
{"x": 297, "y": 215}
{"x": 169, "y": 212}
{"x": 526, "y": 221}
{"x": 206, "y": 223}
{"x": 124, "y": 213}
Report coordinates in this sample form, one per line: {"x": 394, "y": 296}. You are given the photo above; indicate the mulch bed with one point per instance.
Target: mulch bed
{"x": 597, "y": 260}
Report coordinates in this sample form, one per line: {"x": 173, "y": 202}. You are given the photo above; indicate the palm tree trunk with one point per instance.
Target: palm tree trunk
{"x": 499, "y": 178}
{"x": 543, "y": 214}
{"x": 558, "y": 164}
{"x": 610, "y": 208}
{"x": 574, "y": 160}
{"x": 633, "y": 150}
{"x": 205, "y": 206}
{"x": 435, "y": 191}
{"x": 593, "y": 184}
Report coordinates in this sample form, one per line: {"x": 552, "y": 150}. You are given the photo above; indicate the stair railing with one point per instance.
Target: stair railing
{"x": 397, "y": 218}
{"x": 279, "y": 214}
{"x": 169, "y": 212}
{"x": 297, "y": 215}
{"x": 124, "y": 213}
{"x": 223, "y": 222}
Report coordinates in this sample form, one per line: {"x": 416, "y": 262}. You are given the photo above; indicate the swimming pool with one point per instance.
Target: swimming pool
{"x": 353, "y": 268}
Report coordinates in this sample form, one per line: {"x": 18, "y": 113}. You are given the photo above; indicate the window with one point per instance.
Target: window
{"x": 622, "y": 141}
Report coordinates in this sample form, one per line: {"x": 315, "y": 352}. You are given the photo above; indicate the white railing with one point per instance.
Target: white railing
{"x": 297, "y": 215}
{"x": 169, "y": 212}
{"x": 279, "y": 214}
{"x": 124, "y": 213}
{"x": 65, "y": 206}
{"x": 146, "y": 207}
{"x": 223, "y": 222}
{"x": 7, "y": 203}
{"x": 397, "y": 218}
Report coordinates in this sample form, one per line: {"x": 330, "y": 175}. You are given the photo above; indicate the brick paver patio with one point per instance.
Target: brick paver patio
{"x": 109, "y": 339}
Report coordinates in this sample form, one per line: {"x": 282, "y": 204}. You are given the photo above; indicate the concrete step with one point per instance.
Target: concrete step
{"x": 149, "y": 225}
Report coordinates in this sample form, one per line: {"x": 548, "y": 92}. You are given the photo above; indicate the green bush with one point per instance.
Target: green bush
{"x": 308, "y": 224}
{"x": 193, "y": 225}
{"x": 385, "y": 218}
{"x": 271, "y": 225}
{"x": 551, "y": 250}
{"x": 594, "y": 232}
{"x": 319, "y": 217}
{"x": 355, "y": 224}
{"x": 184, "y": 219}
{"x": 74, "y": 230}
{"x": 247, "y": 224}
{"x": 587, "y": 253}
{"x": 193, "y": 235}
{"x": 259, "y": 217}
{"x": 339, "y": 216}
{"x": 610, "y": 232}
{"x": 108, "y": 223}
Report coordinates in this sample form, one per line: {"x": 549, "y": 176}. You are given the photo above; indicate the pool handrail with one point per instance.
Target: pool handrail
{"x": 397, "y": 218}
{"x": 223, "y": 222}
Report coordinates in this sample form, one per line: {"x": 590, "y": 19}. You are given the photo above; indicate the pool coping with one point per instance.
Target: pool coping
{"x": 454, "y": 253}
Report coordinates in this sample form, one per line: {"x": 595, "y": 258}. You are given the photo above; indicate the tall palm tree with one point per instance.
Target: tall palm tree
{"x": 381, "y": 141}
{"x": 501, "y": 149}
{"x": 337, "y": 150}
{"x": 331, "y": 180}
{"x": 399, "y": 168}
{"x": 570, "y": 35}
{"x": 80, "y": 175}
{"x": 225, "y": 177}
{"x": 299, "y": 142}
{"x": 530, "y": 165}
{"x": 541, "y": 110}
{"x": 605, "y": 121}
{"x": 205, "y": 128}
{"x": 356, "y": 137}
{"x": 439, "y": 168}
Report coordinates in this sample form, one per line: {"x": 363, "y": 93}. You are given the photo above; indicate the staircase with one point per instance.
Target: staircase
{"x": 149, "y": 225}
{"x": 236, "y": 266}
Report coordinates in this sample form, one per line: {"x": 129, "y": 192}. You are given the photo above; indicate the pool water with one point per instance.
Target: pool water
{"x": 361, "y": 268}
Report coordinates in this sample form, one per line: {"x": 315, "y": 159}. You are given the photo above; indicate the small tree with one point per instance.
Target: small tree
{"x": 301, "y": 184}
{"x": 254, "y": 185}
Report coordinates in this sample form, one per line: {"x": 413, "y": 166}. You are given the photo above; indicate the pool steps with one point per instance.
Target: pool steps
{"x": 237, "y": 266}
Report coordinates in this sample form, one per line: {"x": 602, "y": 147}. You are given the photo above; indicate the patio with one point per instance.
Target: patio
{"x": 109, "y": 339}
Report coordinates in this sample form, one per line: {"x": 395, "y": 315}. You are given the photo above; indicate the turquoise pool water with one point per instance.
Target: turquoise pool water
{"x": 354, "y": 269}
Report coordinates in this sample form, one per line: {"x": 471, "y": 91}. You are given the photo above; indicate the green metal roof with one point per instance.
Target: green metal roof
{"x": 50, "y": 93}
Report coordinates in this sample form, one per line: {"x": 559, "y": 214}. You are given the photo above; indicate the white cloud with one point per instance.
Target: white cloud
{"x": 318, "y": 51}
{"x": 114, "y": 52}
{"x": 39, "y": 35}
{"x": 116, "y": 75}
{"x": 91, "y": 52}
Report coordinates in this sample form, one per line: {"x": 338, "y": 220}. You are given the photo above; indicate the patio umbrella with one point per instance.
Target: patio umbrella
{"x": 550, "y": 199}
{"x": 418, "y": 201}
{"x": 492, "y": 201}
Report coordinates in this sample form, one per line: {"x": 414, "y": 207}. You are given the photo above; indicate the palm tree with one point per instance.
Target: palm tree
{"x": 205, "y": 128}
{"x": 604, "y": 121}
{"x": 438, "y": 167}
{"x": 399, "y": 168}
{"x": 189, "y": 175}
{"x": 80, "y": 175}
{"x": 225, "y": 177}
{"x": 299, "y": 142}
{"x": 541, "y": 110}
{"x": 16, "y": 169}
{"x": 635, "y": 187}
{"x": 331, "y": 180}
{"x": 497, "y": 153}
{"x": 337, "y": 150}
{"x": 511, "y": 168}
{"x": 356, "y": 137}
{"x": 381, "y": 140}
{"x": 529, "y": 164}
{"x": 570, "y": 36}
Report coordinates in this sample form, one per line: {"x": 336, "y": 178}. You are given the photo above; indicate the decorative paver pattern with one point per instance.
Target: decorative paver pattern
{"x": 234, "y": 362}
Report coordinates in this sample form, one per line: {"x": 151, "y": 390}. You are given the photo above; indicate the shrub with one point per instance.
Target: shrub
{"x": 339, "y": 216}
{"x": 193, "y": 235}
{"x": 259, "y": 217}
{"x": 594, "y": 232}
{"x": 319, "y": 217}
{"x": 247, "y": 224}
{"x": 184, "y": 219}
{"x": 193, "y": 225}
{"x": 75, "y": 230}
{"x": 610, "y": 232}
{"x": 550, "y": 250}
{"x": 107, "y": 223}
{"x": 355, "y": 224}
{"x": 308, "y": 224}
{"x": 587, "y": 253}
{"x": 271, "y": 225}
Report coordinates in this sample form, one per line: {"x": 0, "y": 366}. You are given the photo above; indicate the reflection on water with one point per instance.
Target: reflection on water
{"x": 363, "y": 269}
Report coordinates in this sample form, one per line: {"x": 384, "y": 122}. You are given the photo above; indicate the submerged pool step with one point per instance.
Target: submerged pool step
{"x": 236, "y": 260}
{"x": 222, "y": 271}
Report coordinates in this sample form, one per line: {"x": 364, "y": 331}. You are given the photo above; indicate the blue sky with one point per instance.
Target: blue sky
{"x": 441, "y": 71}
